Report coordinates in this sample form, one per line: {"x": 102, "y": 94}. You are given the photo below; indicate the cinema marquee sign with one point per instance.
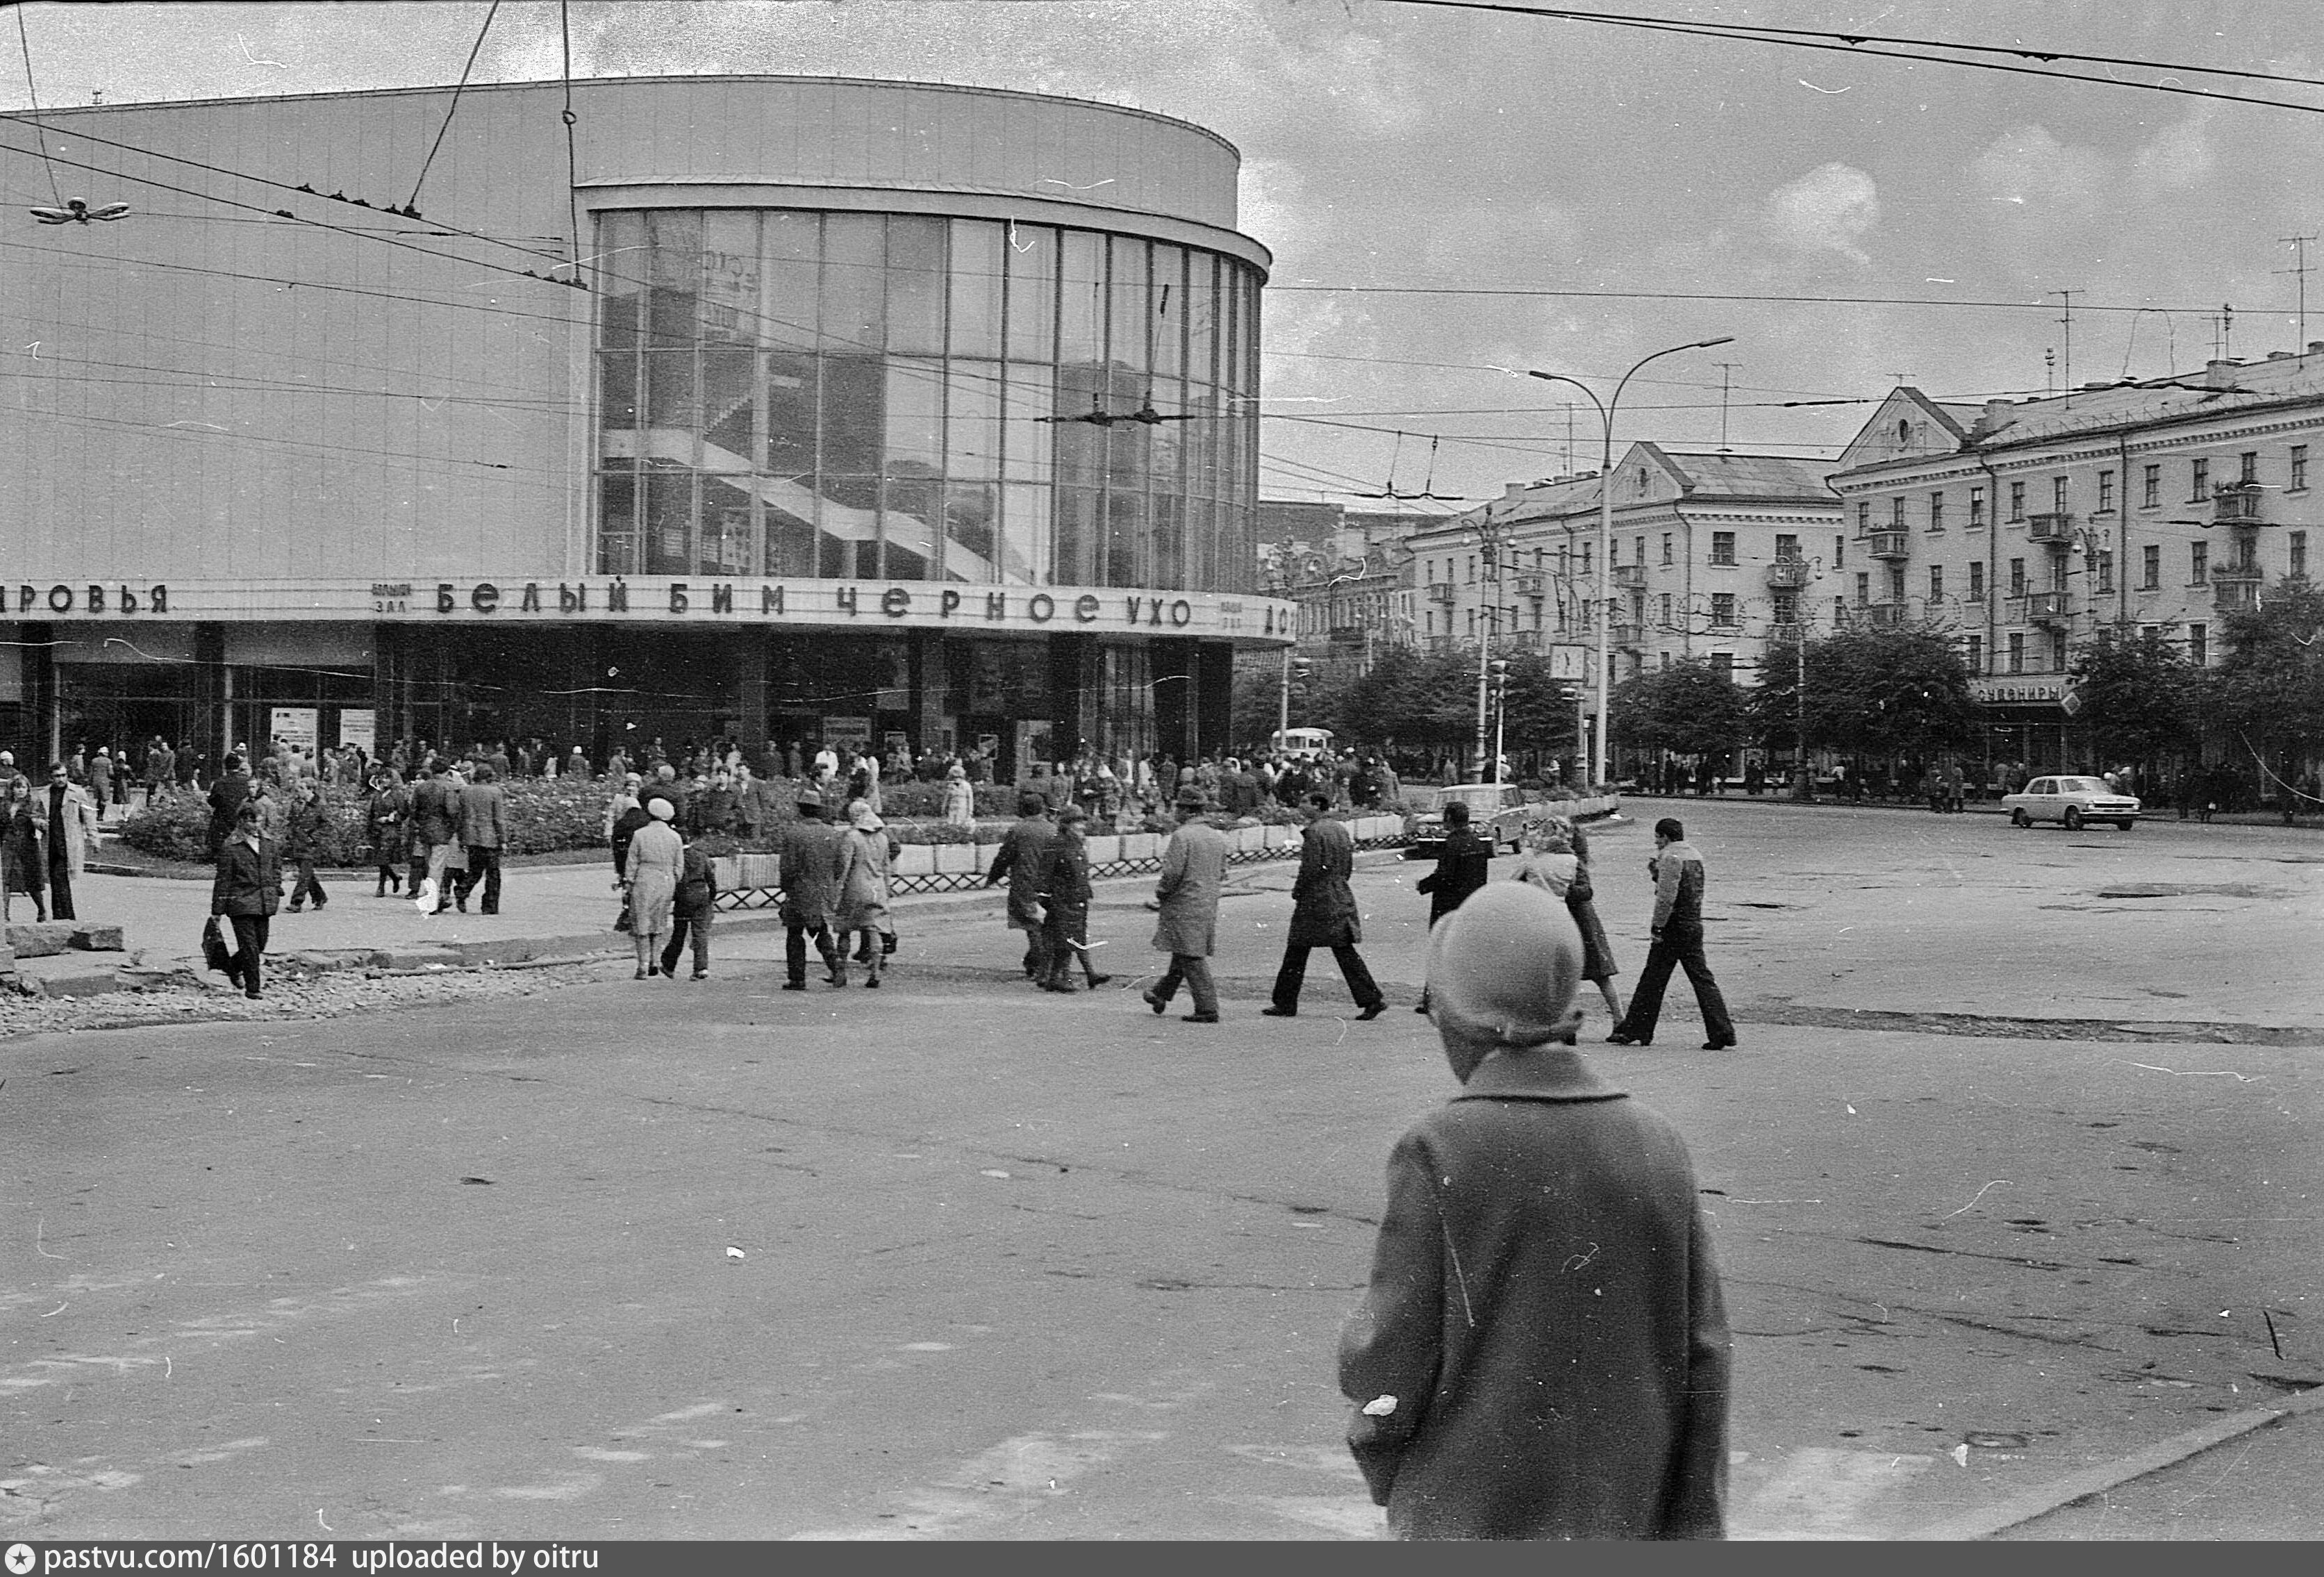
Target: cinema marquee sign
{"x": 663, "y": 599}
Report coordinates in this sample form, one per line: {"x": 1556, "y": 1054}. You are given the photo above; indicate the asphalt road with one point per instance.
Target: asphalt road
{"x": 2013, "y": 1173}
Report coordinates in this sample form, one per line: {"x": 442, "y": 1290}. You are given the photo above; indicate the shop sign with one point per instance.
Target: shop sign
{"x": 2017, "y": 691}
{"x": 33, "y": 602}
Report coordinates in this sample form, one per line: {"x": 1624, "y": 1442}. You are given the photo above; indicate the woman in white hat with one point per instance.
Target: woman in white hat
{"x": 864, "y": 853}
{"x": 959, "y": 798}
{"x": 657, "y": 856}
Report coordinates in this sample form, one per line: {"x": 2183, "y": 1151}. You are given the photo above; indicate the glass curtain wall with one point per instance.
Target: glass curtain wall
{"x": 899, "y": 397}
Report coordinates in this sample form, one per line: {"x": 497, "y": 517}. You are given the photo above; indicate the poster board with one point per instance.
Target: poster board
{"x": 359, "y": 725}
{"x": 854, "y": 732}
{"x": 293, "y": 725}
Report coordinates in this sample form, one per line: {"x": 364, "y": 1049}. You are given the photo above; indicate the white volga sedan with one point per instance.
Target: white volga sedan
{"x": 2071, "y": 800}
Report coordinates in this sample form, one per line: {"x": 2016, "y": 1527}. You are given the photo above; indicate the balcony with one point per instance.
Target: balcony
{"x": 1789, "y": 573}
{"x": 1440, "y": 591}
{"x": 1533, "y": 583}
{"x": 1889, "y": 544}
{"x": 1521, "y": 640}
{"x": 1620, "y": 615}
{"x": 2234, "y": 587}
{"x": 2054, "y": 529}
{"x": 2049, "y": 607}
{"x": 1630, "y": 577}
{"x": 2239, "y": 503}
{"x": 1883, "y": 615}
{"x": 1786, "y": 633}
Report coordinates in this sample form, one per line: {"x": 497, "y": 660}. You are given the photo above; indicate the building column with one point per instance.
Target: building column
{"x": 1213, "y": 668}
{"x": 1073, "y": 692}
{"x": 213, "y": 723}
{"x": 931, "y": 690}
{"x": 750, "y": 682}
{"x": 1171, "y": 668}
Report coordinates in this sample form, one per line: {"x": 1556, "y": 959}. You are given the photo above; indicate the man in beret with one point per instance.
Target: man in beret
{"x": 1542, "y": 1349}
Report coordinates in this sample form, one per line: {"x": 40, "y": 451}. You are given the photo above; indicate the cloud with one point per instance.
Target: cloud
{"x": 2179, "y": 156}
{"x": 2027, "y": 166}
{"x": 1830, "y": 208}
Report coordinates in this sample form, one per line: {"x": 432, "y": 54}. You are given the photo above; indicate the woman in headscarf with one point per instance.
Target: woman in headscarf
{"x": 26, "y": 835}
{"x": 959, "y": 798}
{"x": 863, "y": 850}
{"x": 657, "y": 856}
{"x": 1557, "y": 861}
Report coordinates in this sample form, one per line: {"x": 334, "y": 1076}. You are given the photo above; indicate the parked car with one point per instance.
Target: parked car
{"x": 1497, "y": 811}
{"x": 2071, "y": 800}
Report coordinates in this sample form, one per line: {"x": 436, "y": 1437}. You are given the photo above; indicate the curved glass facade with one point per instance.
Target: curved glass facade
{"x": 876, "y": 397}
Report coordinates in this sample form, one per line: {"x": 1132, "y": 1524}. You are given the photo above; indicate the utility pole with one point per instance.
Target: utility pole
{"x": 1725, "y": 370}
{"x": 2069, "y": 321}
{"x": 2048, "y": 370}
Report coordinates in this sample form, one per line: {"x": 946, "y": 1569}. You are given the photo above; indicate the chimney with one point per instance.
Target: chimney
{"x": 2314, "y": 346}
{"x": 2279, "y": 355}
{"x": 1995, "y": 417}
{"x": 2221, "y": 373}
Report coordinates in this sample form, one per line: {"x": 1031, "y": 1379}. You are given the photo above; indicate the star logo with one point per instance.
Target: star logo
{"x": 20, "y": 1559}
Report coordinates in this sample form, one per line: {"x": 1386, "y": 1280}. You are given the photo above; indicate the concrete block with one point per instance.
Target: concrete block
{"x": 90, "y": 936}
{"x": 1105, "y": 848}
{"x": 915, "y": 859}
{"x": 41, "y": 938}
{"x": 954, "y": 858}
{"x": 60, "y": 974}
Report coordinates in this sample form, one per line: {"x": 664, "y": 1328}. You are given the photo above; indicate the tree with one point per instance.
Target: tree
{"x": 2271, "y": 683}
{"x": 1689, "y": 708}
{"x": 2137, "y": 702}
{"x": 1889, "y": 692}
{"x": 1537, "y": 707}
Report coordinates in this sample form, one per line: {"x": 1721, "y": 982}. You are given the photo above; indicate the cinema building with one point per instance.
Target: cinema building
{"x": 872, "y": 410}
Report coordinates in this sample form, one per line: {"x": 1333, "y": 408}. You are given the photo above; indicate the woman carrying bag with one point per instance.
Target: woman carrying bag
{"x": 246, "y": 893}
{"x": 657, "y": 859}
{"x": 864, "y": 850}
{"x": 25, "y": 845}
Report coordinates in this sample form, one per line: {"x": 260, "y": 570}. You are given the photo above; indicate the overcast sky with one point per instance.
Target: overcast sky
{"x": 1389, "y": 144}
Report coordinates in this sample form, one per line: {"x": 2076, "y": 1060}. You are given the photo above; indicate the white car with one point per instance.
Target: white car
{"x": 1499, "y": 813}
{"x": 2071, "y": 800}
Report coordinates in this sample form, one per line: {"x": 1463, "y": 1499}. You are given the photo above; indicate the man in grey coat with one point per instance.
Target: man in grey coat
{"x": 483, "y": 828}
{"x": 1324, "y": 914}
{"x": 810, "y": 879}
{"x": 1194, "y": 872}
{"x": 1543, "y": 1352}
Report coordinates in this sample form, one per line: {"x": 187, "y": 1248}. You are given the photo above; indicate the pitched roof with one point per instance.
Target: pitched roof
{"x": 1724, "y": 475}
{"x": 2224, "y": 387}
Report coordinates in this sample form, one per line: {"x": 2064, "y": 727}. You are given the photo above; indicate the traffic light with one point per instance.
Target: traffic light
{"x": 1301, "y": 669}
{"x": 1496, "y": 674}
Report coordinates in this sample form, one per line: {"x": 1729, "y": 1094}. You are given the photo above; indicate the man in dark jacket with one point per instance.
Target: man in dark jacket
{"x": 310, "y": 829}
{"x": 1324, "y": 914}
{"x": 1543, "y": 1352}
{"x": 1678, "y": 872}
{"x": 1066, "y": 893}
{"x": 246, "y": 893}
{"x": 810, "y": 879}
{"x": 435, "y": 827}
{"x": 483, "y": 829}
{"x": 1023, "y": 861}
{"x": 226, "y": 795}
{"x": 1463, "y": 863}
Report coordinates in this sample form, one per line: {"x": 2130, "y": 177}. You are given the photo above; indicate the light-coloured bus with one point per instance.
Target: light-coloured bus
{"x": 1306, "y": 744}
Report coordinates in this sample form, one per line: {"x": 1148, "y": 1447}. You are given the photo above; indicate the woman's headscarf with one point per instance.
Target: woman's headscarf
{"x": 956, "y": 772}
{"x": 862, "y": 818}
{"x": 660, "y": 808}
{"x": 1501, "y": 973}
{"x": 1551, "y": 835}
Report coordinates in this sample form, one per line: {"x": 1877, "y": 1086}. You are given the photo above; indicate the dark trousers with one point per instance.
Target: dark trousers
{"x": 390, "y": 877}
{"x": 1065, "y": 932}
{"x": 249, "y": 943}
{"x": 1037, "y": 953}
{"x": 681, "y": 928}
{"x": 1676, "y": 949}
{"x": 1196, "y": 974}
{"x": 61, "y": 904}
{"x": 484, "y": 865}
{"x": 1294, "y": 973}
{"x": 307, "y": 882}
{"x": 795, "y": 936}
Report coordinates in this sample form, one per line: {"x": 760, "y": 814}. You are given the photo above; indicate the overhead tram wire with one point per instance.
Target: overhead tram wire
{"x": 33, "y": 95}
{"x": 1756, "y": 297}
{"x": 411, "y": 203}
{"x": 1842, "y": 44}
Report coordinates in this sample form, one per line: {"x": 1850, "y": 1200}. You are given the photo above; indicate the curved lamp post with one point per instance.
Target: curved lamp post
{"x": 1605, "y": 408}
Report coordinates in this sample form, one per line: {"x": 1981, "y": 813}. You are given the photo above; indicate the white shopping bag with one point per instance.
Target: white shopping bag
{"x": 425, "y": 901}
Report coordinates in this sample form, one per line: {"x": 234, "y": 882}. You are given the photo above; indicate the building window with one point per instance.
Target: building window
{"x": 2198, "y": 481}
{"x": 2058, "y": 650}
{"x": 1896, "y": 514}
{"x": 1976, "y": 508}
{"x": 2299, "y": 483}
{"x": 2058, "y": 495}
{"x": 1666, "y": 548}
{"x": 1839, "y": 609}
{"x": 2017, "y": 651}
{"x": 1787, "y": 607}
{"x": 1787, "y": 547}
{"x": 1637, "y": 661}
{"x": 1587, "y": 548}
{"x": 1722, "y": 609}
{"x": 1472, "y": 570}
{"x": 1896, "y": 583}
{"x": 1863, "y": 588}
{"x": 2150, "y": 638}
{"x": 1936, "y": 583}
{"x": 1639, "y": 557}
{"x": 1840, "y": 552}
{"x": 1936, "y": 512}
{"x": 1722, "y": 663}
{"x": 1976, "y": 581}
{"x": 2247, "y": 467}
{"x": 1722, "y": 547}
{"x": 1664, "y": 609}
{"x": 2106, "y": 493}
{"x": 1977, "y": 654}
{"x": 2018, "y": 500}
{"x": 2199, "y": 643}
{"x": 2198, "y": 561}
{"x": 1472, "y": 623}
{"x": 1863, "y": 517}
{"x": 2106, "y": 572}
{"x": 2017, "y": 578}
{"x": 2150, "y": 567}
{"x": 2149, "y": 488}
{"x": 2298, "y": 565}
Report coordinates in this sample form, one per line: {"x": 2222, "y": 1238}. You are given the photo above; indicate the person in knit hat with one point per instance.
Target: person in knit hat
{"x": 1542, "y": 1349}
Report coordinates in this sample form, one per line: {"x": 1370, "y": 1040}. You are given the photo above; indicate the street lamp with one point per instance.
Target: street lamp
{"x": 1605, "y": 408}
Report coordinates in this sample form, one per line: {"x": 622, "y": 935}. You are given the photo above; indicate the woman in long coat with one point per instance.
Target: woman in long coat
{"x": 25, "y": 834}
{"x": 1558, "y": 863}
{"x": 247, "y": 891}
{"x": 863, "y": 889}
{"x": 959, "y": 798}
{"x": 657, "y": 856}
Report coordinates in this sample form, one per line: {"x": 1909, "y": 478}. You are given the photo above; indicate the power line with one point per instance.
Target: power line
{"x": 1548, "y": 291}
{"x": 453, "y": 109}
{"x": 34, "y": 95}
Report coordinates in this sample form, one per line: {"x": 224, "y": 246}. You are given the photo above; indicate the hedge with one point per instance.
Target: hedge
{"x": 543, "y": 815}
